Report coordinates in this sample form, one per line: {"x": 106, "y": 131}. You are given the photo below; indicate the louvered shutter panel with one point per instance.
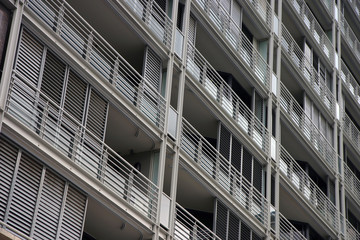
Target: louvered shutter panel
{"x": 47, "y": 219}
{"x": 24, "y": 197}
{"x": 8, "y": 155}
{"x": 75, "y": 96}
{"x": 224, "y": 147}
{"x": 236, "y": 154}
{"x": 259, "y": 108}
{"x": 152, "y": 69}
{"x": 257, "y": 175}
{"x": 234, "y": 227}
{"x": 245, "y": 232}
{"x": 255, "y": 236}
{"x": 74, "y": 213}
{"x": 53, "y": 77}
{"x": 96, "y": 116}
{"x": 247, "y": 164}
{"x": 29, "y": 57}
{"x": 192, "y": 30}
{"x": 221, "y": 220}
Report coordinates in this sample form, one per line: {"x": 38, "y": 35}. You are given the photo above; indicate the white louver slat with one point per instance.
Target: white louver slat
{"x": 152, "y": 68}
{"x": 30, "y": 53}
{"x": 8, "y": 155}
{"x": 97, "y": 113}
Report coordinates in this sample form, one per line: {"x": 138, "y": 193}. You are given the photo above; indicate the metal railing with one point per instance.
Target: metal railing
{"x": 329, "y": 6}
{"x": 188, "y": 227}
{"x": 312, "y": 194}
{"x": 305, "y": 126}
{"x": 351, "y": 132}
{"x": 103, "y": 58}
{"x": 288, "y": 231}
{"x": 215, "y": 86}
{"x": 262, "y": 9}
{"x": 352, "y": 183}
{"x": 313, "y": 27}
{"x": 231, "y": 31}
{"x": 154, "y": 17}
{"x": 351, "y": 232}
{"x": 355, "y": 6}
{"x": 349, "y": 37}
{"x": 198, "y": 149}
{"x": 311, "y": 77}
{"x": 350, "y": 83}
{"x": 51, "y": 123}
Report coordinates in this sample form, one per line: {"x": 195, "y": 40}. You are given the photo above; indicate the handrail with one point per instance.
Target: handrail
{"x": 313, "y": 27}
{"x": 220, "y": 169}
{"x": 247, "y": 53}
{"x": 222, "y": 93}
{"x": 288, "y": 231}
{"x": 305, "y": 126}
{"x": 311, "y": 77}
{"x": 154, "y": 17}
{"x": 58, "y": 128}
{"x": 101, "y": 56}
{"x": 188, "y": 227}
{"x": 350, "y": 37}
{"x": 352, "y": 183}
{"x": 351, "y": 132}
{"x": 263, "y": 10}
{"x": 350, "y": 83}
{"x": 302, "y": 182}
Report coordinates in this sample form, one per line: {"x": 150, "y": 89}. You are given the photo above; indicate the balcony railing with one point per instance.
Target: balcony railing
{"x": 188, "y": 227}
{"x": 154, "y": 17}
{"x": 288, "y": 231}
{"x": 231, "y": 31}
{"x": 59, "y": 129}
{"x": 99, "y": 54}
{"x": 312, "y": 78}
{"x": 351, "y": 132}
{"x": 349, "y": 37}
{"x": 263, "y": 10}
{"x": 350, "y": 83}
{"x": 351, "y": 232}
{"x": 352, "y": 183}
{"x": 215, "y": 86}
{"x": 217, "y": 167}
{"x": 302, "y": 183}
{"x": 304, "y": 125}
{"x": 355, "y": 6}
{"x": 329, "y": 6}
{"x": 313, "y": 27}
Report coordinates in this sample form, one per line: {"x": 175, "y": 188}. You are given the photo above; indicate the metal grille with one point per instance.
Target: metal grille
{"x": 75, "y": 96}
{"x": 8, "y": 155}
{"x": 152, "y": 68}
{"x": 73, "y": 217}
{"x": 97, "y": 113}
{"x": 192, "y": 30}
{"x": 225, "y": 142}
{"x": 29, "y": 57}
{"x": 46, "y": 222}
{"x": 23, "y": 200}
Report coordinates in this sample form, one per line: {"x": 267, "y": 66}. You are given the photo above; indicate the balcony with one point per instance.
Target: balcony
{"x": 311, "y": 78}
{"x": 313, "y": 27}
{"x": 350, "y": 83}
{"x": 155, "y": 19}
{"x": 246, "y": 52}
{"x": 351, "y": 132}
{"x": 222, "y": 94}
{"x": 262, "y": 10}
{"x": 355, "y": 7}
{"x": 288, "y": 231}
{"x": 215, "y": 166}
{"x": 101, "y": 57}
{"x": 64, "y": 133}
{"x": 306, "y": 187}
{"x": 350, "y": 38}
{"x": 351, "y": 232}
{"x": 306, "y": 128}
{"x": 188, "y": 227}
{"x": 352, "y": 183}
